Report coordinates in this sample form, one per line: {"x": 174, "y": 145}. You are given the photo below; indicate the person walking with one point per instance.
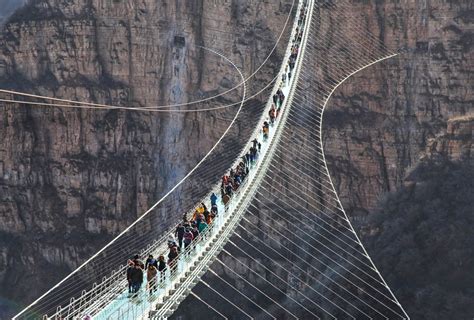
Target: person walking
{"x": 137, "y": 279}
{"x": 228, "y": 191}
{"x": 195, "y": 231}
{"x": 151, "y": 261}
{"x": 173, "y": 259}
{"x": 255, "y": 142}
{"x": 214, "y": 204}
{"x": 213, "y": 199}
{"x": 266, "y": 130}
{"x": 252, "y": 155}
{"x": 206, "y": 212}
{"x": 272, "y": 114}
{"x": 136, "y": 261}
{"x": 179, "y": 234}
{"x": 188, "y": 238}
{"x": 281, "y": 97}
{"x": 202, "y": 226}
{"x": 129, "y": 275}
{"x": 162, "y": 267}
{"x": 151, "y": 274}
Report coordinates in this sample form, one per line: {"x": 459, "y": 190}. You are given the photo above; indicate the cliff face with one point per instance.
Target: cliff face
{"x": 70, "y": 179}
{"x": 398, "y": 139}
{"x": 384, "y": 119}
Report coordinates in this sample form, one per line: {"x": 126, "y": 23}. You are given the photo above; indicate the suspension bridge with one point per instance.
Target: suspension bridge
{"x": 282, "y": 247}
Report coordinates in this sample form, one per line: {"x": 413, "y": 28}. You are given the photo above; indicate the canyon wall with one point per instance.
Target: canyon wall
{"x": 398, "y": 139}
{"x": 383, "y": 120}
{"x": 70, "y": 179}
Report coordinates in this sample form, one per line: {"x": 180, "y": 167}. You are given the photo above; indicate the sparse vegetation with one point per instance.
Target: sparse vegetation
{"x": 421, "y": 239}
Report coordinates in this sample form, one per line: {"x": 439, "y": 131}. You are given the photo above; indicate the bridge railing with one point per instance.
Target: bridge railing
{"x": 238, "y": 204}
{"x": 184, "y": 257}
{"x": 110, "y": 288}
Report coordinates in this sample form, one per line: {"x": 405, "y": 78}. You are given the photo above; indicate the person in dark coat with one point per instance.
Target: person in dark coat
{"x": 162, "y": 267}
{"x": 129, "y": 276}
{"x": 173, "y": 259}
{"x": 179, "y": 234}
{"x": 213, "y": 199}
{"x": 136, "y": 261}
{"x": 137, "y": 278}
{"x": 255, "y": 142}
{"x": 195, "y": 232}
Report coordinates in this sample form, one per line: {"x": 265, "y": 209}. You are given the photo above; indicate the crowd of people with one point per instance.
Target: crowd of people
{"x": 295, "y": 45}
{"x": 191, "y": 229}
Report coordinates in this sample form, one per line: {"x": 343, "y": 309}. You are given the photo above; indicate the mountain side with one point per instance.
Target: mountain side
{"x": 71, "y": 179}
{"x": 398, "y": 140}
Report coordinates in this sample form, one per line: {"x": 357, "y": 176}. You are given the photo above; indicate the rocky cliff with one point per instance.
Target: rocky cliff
{"x": 71, "y": 179}
{"x": 398, "y": 139}
{"x": 384, "y": 119}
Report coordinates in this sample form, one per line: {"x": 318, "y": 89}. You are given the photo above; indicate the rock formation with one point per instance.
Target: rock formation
{"x": 70, "y": 179}
{"x": 399, "y": 145}
{"x": 384, "y": 119}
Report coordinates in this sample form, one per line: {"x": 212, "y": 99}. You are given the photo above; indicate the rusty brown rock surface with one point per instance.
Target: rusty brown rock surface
{"x": 94, "y": 167}
{"x": 398, "y": 140}
{"x": 381, "y": 121}
{"x": 70, "y": 179}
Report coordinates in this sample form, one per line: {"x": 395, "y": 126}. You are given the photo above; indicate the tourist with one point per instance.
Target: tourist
{"x": 179, "y": 233}
{"x": 255, "y": 142}
{"x": 272, "y": 114}
{"x": 202, "y": 226}
{"x": 151, "y": 274}
{"x": 188, "y": 238}
{"x": 150, "y": 261}
{"x": 129, "y": 275}
{"x": 247, "y": 157}
{"x": 172, "y": 259}
{"x": 136, "y": 277}
{"x": 138, "y": 262}
{"x": 195, "y": 232}
{"x": 162, "y": 267}
{"x": 213, "y": 199}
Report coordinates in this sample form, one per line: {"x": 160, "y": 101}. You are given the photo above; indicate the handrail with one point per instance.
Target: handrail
{"x": 186, "y": 253}
{"x": 184, "y": 289}
{"x": 116, "y": 281}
